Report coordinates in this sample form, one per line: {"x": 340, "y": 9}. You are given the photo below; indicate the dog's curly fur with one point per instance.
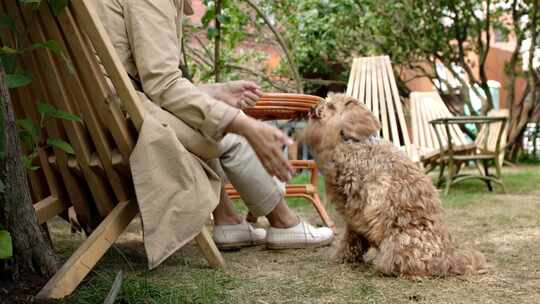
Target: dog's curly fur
{"x": 387, "y": 201}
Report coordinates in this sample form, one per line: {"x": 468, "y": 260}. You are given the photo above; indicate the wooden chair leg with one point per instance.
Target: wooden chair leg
{"x": 441, "y": 174}
{"x": 449, "y": 178}
{"x": 486, "y": 173}
{"x": 209, "y": 249}
{"x": 64, "y": 282}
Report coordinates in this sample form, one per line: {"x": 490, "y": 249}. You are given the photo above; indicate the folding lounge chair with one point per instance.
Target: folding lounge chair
{"x": 372, "y": 82}
{"x": 96, "y": 180}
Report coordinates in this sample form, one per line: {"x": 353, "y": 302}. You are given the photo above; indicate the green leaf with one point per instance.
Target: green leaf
{"x": 6, "y": 22}
{"x": 46, "y": 109}
{"x": 8, "y": 62}
{"x": 28, "y": 161}
{"x": 58, "y": 5}
{"x": 66, "y": 116}
{"x": 7, "y": 50}
{"x": 54, "y": 47}
{"x": 60, "y": 144}
{"x": 18, "y": 80}
{"x": 27, "y": 140}
{"x": 50, "y": 45}
{"x": 28, "y": 125}
{"x": 2, "y": 187}
{"x": 211, "y": 33}
{"x": 38, "y": 2}
{"x": 6, "y": 245}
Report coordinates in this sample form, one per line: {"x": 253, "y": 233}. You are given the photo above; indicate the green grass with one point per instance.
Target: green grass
{"x": 465, "y": 193}
{"x": 462, "y": 194}
{"x": 203, "y": 287}
{"x": 476, "y": 216}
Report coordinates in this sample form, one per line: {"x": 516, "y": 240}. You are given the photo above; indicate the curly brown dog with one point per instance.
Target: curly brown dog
{"x": 387, "y": 201}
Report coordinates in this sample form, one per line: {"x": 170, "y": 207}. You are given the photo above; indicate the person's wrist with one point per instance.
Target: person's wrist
{"x": 241, "y": 125}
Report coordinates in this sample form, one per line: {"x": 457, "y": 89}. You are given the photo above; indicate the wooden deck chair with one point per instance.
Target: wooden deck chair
{"x": 372, "y": 82}
{"x": 482, "y": 156}
{"x": 425, "y": 107}
{"x": 487, "y": 137}
{"x": 428, "y": 106}
{"x": 95, "y": 180}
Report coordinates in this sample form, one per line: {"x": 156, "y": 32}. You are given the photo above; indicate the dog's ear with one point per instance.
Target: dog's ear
{"x": 358, "y": 123}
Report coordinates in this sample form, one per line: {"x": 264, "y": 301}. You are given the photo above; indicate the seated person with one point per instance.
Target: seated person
{"x": 209, "y": 122}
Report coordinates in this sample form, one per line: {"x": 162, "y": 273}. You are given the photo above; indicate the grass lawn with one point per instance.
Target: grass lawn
{"x": 506, "y": 228}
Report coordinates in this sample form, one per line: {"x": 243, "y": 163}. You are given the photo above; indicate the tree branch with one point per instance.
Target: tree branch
{"x": 292, "y": 65}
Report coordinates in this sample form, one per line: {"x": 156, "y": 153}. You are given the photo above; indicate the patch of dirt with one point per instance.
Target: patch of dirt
{"x": 22, "y": 292}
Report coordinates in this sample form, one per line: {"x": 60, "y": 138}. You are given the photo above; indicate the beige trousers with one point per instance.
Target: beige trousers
{"x": 232, "y": 159}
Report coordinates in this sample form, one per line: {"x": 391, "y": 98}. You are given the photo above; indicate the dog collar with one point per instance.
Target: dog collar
{"x": 374, "y": 138}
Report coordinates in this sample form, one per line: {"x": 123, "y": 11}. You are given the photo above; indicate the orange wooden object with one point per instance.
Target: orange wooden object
{"x": 291, "y": 106}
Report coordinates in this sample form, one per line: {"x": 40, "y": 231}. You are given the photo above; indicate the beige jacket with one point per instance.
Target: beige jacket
{"x": 175, "y": 189}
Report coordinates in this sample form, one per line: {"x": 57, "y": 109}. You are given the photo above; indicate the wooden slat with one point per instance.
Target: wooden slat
{"x": 107, "y": 103}
{"x": 362, "y": 81}
{"x": 65, "y": 88}
{"x": 90, "y": 252}
{"x": 37, "y": 86}
{"x": 368, "y": 74}
{"x": 415, "y": 119}
{"x": 384, "y": 93}
{"x": 48, "y": 208}
{"x": 394, "y": 128}
{"x": 352, "y": 78}
{"x": 398, "y": 105}
{"x": 377, "y": 98}
{"x": 422, "y": 122}
{"x": 92, "y": 90}
{"x": 209, "y": 249}
{"x": 433, "y": 111}
{"x": 97, "y": 33}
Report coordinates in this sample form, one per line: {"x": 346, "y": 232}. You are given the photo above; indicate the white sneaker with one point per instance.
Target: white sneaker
{"x": 238, "y": 236}
{"x": 302, "y": 235}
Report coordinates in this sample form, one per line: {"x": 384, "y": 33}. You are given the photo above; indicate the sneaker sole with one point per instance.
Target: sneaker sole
{"x": 239, "y": 245}
{"x": 298, "y": 245}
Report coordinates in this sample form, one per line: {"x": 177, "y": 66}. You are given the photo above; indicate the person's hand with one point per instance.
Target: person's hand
{"x": 240, "y": 94}
{"x": 267, "y": 142}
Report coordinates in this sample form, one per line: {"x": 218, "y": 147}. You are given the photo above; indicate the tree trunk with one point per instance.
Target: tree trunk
{"x": 31, "y": 251}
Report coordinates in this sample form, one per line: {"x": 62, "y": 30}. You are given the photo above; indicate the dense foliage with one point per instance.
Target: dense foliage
{"x": 420, "y": 36}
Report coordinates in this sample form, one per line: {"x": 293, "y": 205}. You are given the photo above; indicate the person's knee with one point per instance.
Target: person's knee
{"x": 236, "y": 148}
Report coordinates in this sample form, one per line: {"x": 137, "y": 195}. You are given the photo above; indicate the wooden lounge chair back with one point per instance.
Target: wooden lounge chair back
{"x": 372, "y": 82}
{"x": 487, "y": 137}
{"x": 95, "y": 179}
{"x": 425, "y": 107}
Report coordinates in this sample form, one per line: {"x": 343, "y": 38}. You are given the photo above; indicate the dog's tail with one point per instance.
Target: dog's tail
{"x": 467, "y": 262}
